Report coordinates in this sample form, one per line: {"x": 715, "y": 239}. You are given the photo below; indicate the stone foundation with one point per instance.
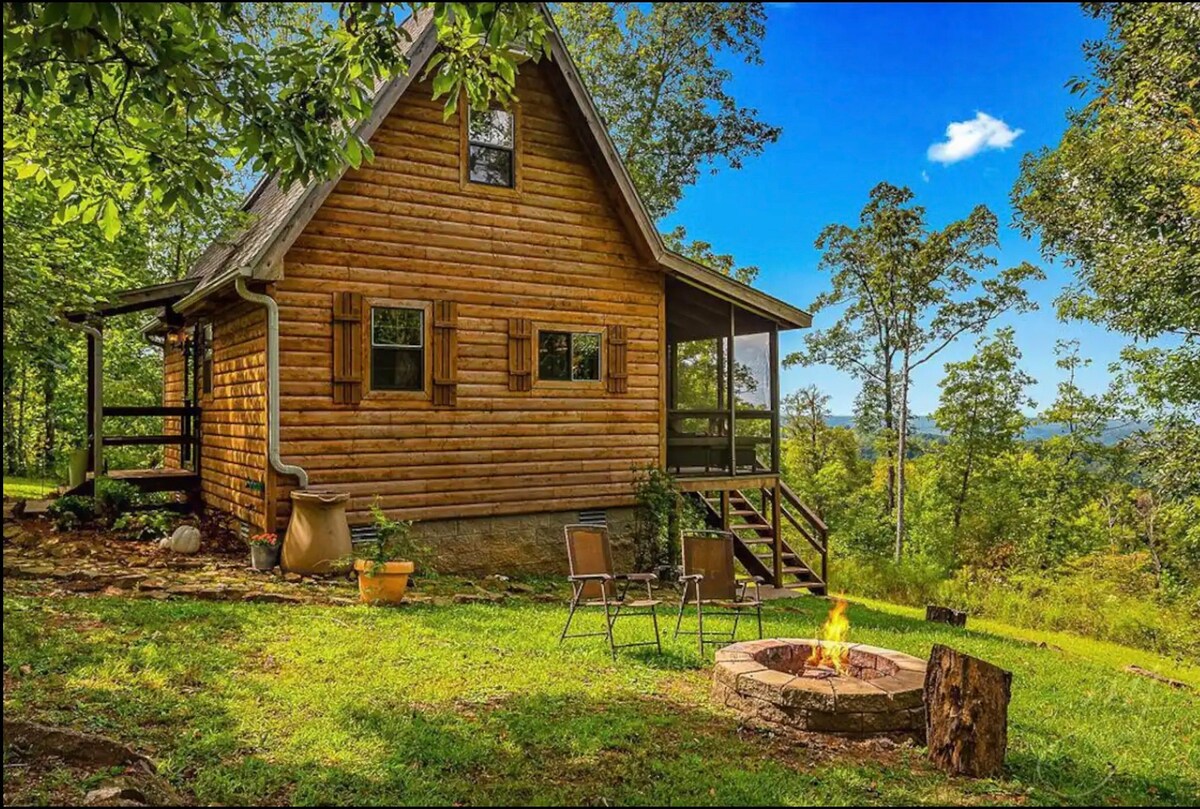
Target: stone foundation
{"x": 522, "y": 544}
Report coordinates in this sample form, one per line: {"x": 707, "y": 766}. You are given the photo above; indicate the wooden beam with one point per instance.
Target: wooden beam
{"x": 775, "y": 415}
{"x": 732, "y": 402}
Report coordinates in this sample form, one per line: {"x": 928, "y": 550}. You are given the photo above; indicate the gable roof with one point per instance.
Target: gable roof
{"x": 278, "y": 215}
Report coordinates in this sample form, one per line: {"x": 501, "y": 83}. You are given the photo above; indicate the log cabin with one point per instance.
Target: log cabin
{"x": 480, "y": 330}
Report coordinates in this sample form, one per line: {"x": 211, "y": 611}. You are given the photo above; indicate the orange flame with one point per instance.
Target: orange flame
{"x": 836, "y": 630}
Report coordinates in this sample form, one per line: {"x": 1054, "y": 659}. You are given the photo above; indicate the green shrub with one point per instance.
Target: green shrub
{"x": 72, "y": 511}
{"x": 114, "y": 498}
{"x": 661, "y": 512}
{"x": 145, "y": 525}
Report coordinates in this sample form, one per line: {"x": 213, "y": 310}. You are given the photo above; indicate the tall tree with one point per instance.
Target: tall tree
{"x": 1118, "y": 199}
{"x": 150, "y": 101}
{"x": 653, "y": 72}
{"x": 907, "y": 293}
{"x": 980, "y": 412}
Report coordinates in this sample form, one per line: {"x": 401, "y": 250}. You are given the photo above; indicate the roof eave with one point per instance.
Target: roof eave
{"x": 783, "y": 313}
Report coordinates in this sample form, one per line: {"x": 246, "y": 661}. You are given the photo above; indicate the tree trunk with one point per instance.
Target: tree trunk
{"x": 901, "y": 451}
{"x": 889, "y": 423}
{"x": 961, "y": 502}
{"x": 945, "y": 615}
{"x": 966, "y": 710}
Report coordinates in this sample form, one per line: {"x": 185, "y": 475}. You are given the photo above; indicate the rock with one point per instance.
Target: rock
{"x": 518, "y": 587}
{"x": 115, "y": 796}
{"x": 151, "y": 584}
{"x": 273, "y": 598}
{"x": 128, "y": 581}
{"x": 28, "y": 571}
{"x": 13, "y": 532}
{"x": 294, "y": 578}
{"x": 186, "y": 539}
{"x": 205, "y": 592}
{"x": 477, "y": 598}
{"x": 33, "y": 739}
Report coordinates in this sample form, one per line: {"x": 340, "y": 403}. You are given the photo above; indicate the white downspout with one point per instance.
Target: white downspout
{"x": 272, "y": 381}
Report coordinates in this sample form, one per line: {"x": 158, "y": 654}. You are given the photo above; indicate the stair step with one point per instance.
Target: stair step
{"x": 803, "y": 585}
{"x": 757, "y": 541}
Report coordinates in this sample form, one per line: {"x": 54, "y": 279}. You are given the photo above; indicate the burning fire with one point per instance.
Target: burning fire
{"x": 836, "y": 630}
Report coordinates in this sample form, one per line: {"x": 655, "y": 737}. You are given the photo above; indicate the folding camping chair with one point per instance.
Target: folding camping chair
{"x": 709, "y": 580}
{"x": 594, "y": 584}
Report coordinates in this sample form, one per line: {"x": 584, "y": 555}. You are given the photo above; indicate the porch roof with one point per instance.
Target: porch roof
{"x": 139, "y": 299}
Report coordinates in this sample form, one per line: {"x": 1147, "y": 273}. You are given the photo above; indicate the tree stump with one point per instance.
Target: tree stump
{"x": 966, "y": 713}
{"x": 945, "y": 615}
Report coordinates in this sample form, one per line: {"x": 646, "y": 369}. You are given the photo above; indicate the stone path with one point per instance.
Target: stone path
{"x": 38, "y": 560}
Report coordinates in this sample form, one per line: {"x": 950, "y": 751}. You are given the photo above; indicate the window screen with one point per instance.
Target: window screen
{"x": 397, "y": 349}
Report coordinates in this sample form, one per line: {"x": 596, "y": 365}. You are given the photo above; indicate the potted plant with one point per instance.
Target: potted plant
{"x": 264, "y": 551}
{"x": 384, "y": 565}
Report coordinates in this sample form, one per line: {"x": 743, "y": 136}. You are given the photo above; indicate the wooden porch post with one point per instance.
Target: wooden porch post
{"x": 729, "y": 370}
{"x": 775, "y": 415}
{"x": 89, "y": 424}
{"x": 96, "y": 402}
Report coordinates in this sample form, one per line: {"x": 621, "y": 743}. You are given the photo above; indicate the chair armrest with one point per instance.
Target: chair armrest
{"x": 692, "y": 577}
{"x": 638, "y": 576}
{"x": 591, "y": 577}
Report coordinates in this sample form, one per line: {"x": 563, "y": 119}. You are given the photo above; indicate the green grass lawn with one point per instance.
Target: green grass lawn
{"x": 477, "y": 704}
{"x": 27, "y": 488}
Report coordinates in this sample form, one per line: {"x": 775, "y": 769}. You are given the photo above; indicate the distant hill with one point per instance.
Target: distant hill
{"x": 1039, "y": 430}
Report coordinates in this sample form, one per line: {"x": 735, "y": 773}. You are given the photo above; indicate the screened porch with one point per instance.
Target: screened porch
{"x": 722, "y": 386}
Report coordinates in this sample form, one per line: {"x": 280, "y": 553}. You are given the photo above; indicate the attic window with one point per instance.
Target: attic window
{"x": 490, "y": 150}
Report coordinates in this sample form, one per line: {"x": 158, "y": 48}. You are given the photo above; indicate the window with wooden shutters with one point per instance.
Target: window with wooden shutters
{"x": 520, "y": 354}
{"x": 445, "y": 354}
{"x": 618, "y": 360}
{"x": 347, "y": 347}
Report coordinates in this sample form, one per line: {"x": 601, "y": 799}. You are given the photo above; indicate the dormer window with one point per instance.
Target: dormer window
{"x": 490, "y": 148}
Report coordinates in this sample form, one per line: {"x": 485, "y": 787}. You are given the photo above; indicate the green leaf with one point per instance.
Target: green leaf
{"x": 110, "y": 220}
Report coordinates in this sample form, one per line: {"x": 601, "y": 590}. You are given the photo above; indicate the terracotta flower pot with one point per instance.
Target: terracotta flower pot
{"x": 382, "y": 584}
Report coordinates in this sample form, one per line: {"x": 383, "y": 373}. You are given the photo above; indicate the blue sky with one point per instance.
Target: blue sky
{"x": 862, "y": 92}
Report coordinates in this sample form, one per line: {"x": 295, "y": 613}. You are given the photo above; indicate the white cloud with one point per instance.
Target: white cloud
{"x": 925, "y": 176}
{"x": 968, "y": 138}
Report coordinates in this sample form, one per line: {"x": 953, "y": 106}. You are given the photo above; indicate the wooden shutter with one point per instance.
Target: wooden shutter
{"x": 520, "y": 354}
{"x": 618, "y": 360}
{"x": 445, "y": 354}
{"x": 347, "y": 347}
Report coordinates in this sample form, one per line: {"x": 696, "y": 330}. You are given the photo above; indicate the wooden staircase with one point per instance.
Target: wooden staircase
{"x": 758, "y": 547}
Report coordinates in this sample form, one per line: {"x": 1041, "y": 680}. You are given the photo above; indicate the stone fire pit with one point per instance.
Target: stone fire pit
{"x": 769, "y": 684}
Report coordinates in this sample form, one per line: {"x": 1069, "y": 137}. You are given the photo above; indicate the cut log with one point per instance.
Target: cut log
{"x": 945, "y": 615}
{"x": 966, "y": 710}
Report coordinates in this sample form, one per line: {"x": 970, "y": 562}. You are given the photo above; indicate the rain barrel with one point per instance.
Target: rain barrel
{"x": 318, "y": 534}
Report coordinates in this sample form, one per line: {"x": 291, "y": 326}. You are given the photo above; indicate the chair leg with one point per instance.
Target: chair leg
{"x": 654, "y": 617}
{"x": 758, "y": 609}
{"x": 682, "y": 604}
{"x": 699, "y": 622}
{"x": 608, "y": 622}
{"x": 574, "y": 605}
{"x": 737, "y": 616}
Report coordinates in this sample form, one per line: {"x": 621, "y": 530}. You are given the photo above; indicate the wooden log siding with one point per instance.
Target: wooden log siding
{"x": 173, "y": 387}
{"x": 617, "y": 364}
{"x": 347, "y": 347}
{"x": 445, "y": 354}
{"x": 406, "y": 227}
{"x": 520, "y": 354}
{"x": 233, "y": 459}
